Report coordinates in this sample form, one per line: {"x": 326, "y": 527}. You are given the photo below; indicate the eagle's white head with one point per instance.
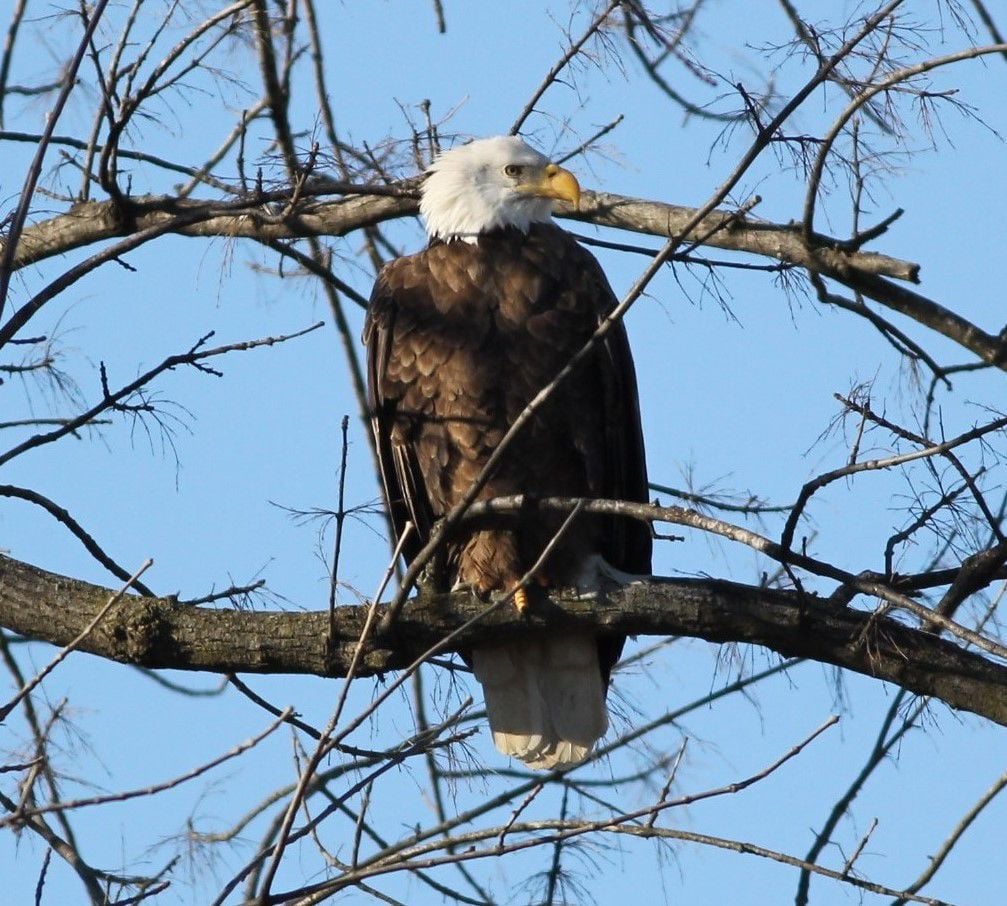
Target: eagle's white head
{"x": 492, "y": 183}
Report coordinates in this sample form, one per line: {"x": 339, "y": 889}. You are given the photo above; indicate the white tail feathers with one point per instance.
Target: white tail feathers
{"x": 544, "y": 697}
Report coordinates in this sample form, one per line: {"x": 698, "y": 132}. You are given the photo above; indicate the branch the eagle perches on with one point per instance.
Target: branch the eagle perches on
{"x": 162, "y": 633}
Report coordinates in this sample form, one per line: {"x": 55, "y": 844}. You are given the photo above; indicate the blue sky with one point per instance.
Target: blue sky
{"x": 739, "y": 399}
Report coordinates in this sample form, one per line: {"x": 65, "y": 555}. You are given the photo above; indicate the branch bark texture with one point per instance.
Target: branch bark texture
{"x": 162, "y": 633}
{"x": 97, "y": 221}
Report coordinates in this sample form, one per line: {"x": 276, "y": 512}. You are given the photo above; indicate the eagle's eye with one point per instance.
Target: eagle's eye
{"x": 513, "y": 170}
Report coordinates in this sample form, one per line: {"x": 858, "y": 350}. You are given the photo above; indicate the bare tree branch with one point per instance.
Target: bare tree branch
{"x": 369, "y": 205}
{"x": 159, "y": 633}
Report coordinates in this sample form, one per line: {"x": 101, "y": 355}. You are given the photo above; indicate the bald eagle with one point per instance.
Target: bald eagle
{"x": 460, "y": 337}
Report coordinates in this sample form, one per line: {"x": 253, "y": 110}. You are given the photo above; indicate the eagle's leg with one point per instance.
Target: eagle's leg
{"x": 490, "y": 564}
{"x": 432, "y": 577}
{"x": 597, "y": 573}
{"x": 521, "y": 598}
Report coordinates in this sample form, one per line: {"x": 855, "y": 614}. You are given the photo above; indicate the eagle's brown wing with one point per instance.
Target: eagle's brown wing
{"x": 629, "y": 541}
{"x": 402, "y": 479}
{"x": 431, "y": 406}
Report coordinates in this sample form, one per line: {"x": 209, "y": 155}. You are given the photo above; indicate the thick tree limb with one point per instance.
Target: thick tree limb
{"x": 97, "y": 221}
{"x": 160, "y": 633}
{"x": 724, "y": 229}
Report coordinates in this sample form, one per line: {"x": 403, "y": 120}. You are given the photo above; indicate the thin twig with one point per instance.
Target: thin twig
{"x": 193, "y": 357}
{"x": 156, "y": 788}
{"x": 35, "y": 168}
{"x": 64, "y": 517}
{"x": 571, "y": 52}
{"x": 938, "y": 859}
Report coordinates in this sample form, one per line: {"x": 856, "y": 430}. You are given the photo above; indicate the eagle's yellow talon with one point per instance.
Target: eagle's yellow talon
{"x": 521, "y": 599}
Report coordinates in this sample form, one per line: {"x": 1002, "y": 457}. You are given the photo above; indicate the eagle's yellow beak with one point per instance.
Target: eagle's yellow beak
{"x": 554, "y": 182}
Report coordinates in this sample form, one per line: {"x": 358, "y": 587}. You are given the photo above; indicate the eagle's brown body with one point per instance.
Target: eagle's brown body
{"x": 461, "y": 337}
